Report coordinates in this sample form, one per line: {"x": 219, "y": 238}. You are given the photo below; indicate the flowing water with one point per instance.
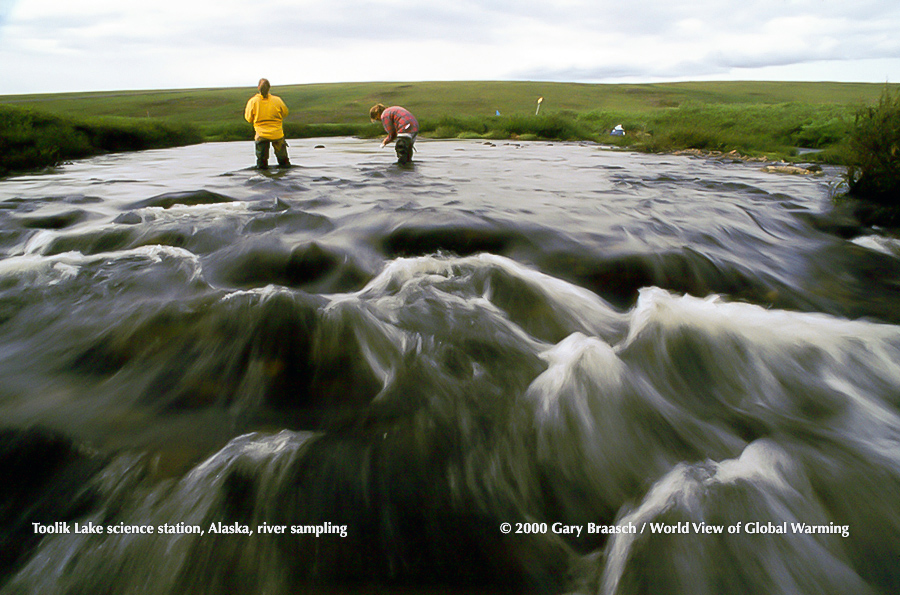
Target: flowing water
{"x": 659, "y": 374}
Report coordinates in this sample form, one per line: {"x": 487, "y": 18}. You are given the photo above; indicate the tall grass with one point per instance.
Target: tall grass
{"x": 31, "y": 139}
{"x": 774, "y": 130}
{"x": 550, "y": 127}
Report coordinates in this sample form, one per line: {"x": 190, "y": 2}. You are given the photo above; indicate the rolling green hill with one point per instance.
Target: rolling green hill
{"x": 349, "y": 102}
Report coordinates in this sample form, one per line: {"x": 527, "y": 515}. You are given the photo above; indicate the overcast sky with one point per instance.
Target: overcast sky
{"x": 88, "y": 45}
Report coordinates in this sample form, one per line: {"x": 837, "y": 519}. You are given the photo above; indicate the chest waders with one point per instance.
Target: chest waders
{"x": 404, "y": 148}
{"x": 262, "y": 152}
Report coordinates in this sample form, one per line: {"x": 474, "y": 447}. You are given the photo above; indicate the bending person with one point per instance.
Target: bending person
{"x": 400, "y": 125}
{"x": 266, "y": 112}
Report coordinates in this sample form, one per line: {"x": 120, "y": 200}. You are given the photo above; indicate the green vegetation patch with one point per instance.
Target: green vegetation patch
{"x": 873, "y": 161}
{"x": 774, "y": 130}
{"x": 31, "y": 139}
{"x": 874, "y": 158}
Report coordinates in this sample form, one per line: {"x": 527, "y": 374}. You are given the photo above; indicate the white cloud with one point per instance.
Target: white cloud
{"x": 48, "y": 46}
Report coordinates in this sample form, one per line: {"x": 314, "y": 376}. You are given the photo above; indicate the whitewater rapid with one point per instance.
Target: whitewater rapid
{"x": 525, "y": 367}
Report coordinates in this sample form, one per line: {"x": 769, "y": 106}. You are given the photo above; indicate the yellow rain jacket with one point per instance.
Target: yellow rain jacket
{"x": 266, "y": 116}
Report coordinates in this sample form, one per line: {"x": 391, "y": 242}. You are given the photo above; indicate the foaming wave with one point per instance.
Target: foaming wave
{"x": 779, "y": 369}
{"x": 760, "y": 502}
{"x": 462, "y": 393}
{"x": 889, "y": 246}
{"x": 238, "y": 485}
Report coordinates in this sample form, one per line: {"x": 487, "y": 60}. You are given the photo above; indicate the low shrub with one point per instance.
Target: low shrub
{"x": 231, "y": 130}
{"x": 822, "y": 133}
{"x": 873, "y": 160}
{"x": 547, "y": 127}
{"x": 298, "y": 130}
{"x": 550, "y": 127}
{"x": 237, "y": 130}
{"x": 31, "y": 139}
{"x": 752, "y": 129}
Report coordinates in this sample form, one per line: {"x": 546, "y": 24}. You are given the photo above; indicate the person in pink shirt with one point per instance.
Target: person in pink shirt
{"x": 401, "y": 126}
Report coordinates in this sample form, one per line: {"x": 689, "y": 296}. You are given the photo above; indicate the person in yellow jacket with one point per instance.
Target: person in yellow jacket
{"x": 266, "y": 112}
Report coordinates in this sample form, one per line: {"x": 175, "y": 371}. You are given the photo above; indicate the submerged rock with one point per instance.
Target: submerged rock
{"x": 797, "y": 170}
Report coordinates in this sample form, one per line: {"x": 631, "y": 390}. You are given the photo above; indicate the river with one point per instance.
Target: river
{"x": 507, "y": 367}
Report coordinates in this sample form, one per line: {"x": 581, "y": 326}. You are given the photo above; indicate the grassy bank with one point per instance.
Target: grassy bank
{"x": 31, "y": 139}
{"x": 754, "y": 118}
{"x": 775, "y": 130}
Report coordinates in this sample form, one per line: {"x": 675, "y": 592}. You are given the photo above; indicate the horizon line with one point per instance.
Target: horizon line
{"x": 455, "y": 81}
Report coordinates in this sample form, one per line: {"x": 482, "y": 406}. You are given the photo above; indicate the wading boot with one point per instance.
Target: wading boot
{"x": 262, "y": 154}
{"x": 404, "y": 148}
{"x": 281, "y": 153}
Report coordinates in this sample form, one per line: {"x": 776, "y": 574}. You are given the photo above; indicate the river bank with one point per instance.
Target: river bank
{"x": 31, "y": 140}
